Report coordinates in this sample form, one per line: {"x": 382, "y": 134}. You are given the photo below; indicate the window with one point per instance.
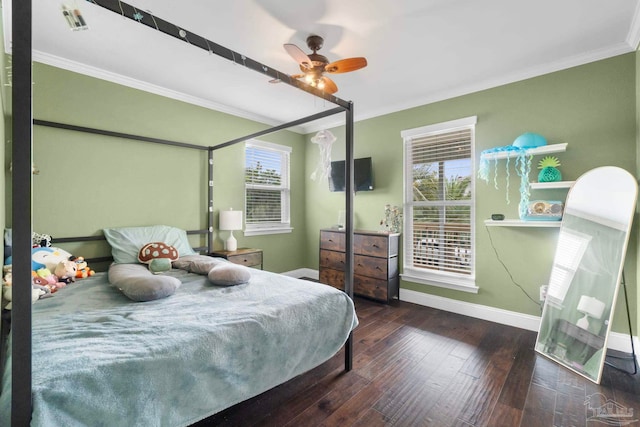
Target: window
{"x": 439, "y": 205}
{"x": 267, "y": 190}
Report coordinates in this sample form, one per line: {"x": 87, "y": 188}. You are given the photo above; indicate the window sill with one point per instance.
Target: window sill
{"x": 265, "y": 231}
{"x": 464, "y": 284}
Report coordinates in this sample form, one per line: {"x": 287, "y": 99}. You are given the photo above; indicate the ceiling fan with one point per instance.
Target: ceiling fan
{"x": 314, "y": 65}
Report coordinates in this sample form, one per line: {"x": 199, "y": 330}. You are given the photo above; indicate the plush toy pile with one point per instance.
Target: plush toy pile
{"x": 51, "y": 269}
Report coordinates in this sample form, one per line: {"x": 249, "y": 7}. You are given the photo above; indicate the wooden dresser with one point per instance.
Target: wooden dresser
{"x": 375, "y": 262}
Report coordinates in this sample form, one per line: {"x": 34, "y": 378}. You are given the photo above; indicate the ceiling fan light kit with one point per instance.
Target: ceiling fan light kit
{"x": 314, "y": 65}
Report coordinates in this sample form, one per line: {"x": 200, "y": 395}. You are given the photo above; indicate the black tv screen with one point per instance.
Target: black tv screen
{"x": 362, "y": 171}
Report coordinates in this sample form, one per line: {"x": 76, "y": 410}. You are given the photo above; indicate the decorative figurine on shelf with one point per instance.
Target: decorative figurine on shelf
{"x": 392, "y": 220}
{"x": 518, "y": 149}
{"x": 548, "y": 170}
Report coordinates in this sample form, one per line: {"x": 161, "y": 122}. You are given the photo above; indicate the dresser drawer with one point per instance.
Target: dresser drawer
{"x": 377, "y": 268}
{"x": 371, "y": 245}
{"x": 332, "y": 259}
{"x": 244, "y": 256}
{"x": 372, "y": 288}
{"x": 375, "y": 262}
{"x": 333, "y": 278}
{"x": 249, "y": 260}
{"x": 332, "y": 240}
{"x": 381, "y": 290}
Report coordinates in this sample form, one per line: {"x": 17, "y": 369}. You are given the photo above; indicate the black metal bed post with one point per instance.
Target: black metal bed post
{"x": 210, "y": 202}
{"x": 283, "y": 126}
{"x": 21, "y": 212}
{"x": 349, "y": 188}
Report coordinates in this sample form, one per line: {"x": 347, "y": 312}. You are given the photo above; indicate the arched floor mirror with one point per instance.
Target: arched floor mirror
{"x": 587, "y": 269}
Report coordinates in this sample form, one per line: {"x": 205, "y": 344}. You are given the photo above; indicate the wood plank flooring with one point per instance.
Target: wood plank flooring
{"x": 417, "y": 366}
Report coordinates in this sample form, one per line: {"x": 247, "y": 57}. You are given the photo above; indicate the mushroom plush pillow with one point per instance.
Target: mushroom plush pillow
{"x": 158, "y": 256}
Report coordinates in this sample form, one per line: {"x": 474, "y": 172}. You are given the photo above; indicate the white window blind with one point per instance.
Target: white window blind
{"x": 439, "y": 201}
{"x": 266, "y": 187}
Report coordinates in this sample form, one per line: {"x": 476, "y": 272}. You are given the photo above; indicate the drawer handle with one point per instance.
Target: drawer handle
{"x": 376, "y": 246}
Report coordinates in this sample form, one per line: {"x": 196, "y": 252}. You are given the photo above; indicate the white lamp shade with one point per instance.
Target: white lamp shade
{"x": 590, "y": 306}
{"x": 230, "y": 220}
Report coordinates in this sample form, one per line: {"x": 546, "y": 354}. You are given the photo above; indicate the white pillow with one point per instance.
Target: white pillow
{"x": 126, "y": 241}
{"x": 229, "y": 274}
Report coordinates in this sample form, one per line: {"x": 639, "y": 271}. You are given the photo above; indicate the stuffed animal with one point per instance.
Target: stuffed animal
{"x": 7, "y": 288}
{"x": 7, "y": 281}
{"x": 36, "y": 294}
{"x": 50, "y": 278}
{"x": 47, "y": 258}
{"x": 82, "y": 269}
{"x": 66, "y": 271}
{"x": 158, "y": 256}
{"x": 40, "y": 282}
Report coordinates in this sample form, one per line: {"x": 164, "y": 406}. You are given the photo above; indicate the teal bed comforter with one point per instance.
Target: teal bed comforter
{"x": 100, "y": 359}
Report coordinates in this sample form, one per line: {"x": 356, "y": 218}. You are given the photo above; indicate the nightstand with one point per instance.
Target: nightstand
{"x": 244, "y": 256}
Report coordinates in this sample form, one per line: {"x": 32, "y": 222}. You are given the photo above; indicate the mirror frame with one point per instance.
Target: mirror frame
{"x": 598, "y": 212}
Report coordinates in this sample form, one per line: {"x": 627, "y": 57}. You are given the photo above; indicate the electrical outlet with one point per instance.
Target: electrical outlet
{"x": 543, "y": 292}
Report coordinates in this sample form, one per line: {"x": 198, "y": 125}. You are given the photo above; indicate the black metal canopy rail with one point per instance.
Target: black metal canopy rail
{"x": 22, "y": 128}
{"x": 146, "y": 18}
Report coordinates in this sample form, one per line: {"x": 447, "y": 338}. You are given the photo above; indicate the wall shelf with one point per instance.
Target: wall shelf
{"x": 545, "y": 149}
{"x": 550, "y": 185}
{"x": 521, "y": 223}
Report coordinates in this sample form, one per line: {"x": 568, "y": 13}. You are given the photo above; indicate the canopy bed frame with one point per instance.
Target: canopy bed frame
{"x": 22, "y": 123}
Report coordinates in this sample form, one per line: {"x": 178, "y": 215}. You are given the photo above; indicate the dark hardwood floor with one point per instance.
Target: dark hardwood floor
{"x": 417, "y": 366}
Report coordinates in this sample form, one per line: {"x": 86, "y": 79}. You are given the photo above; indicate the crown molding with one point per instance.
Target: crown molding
{"x": 551, "y": 67}
{"x": 633, "y": 37}
{"x": 563, "y": 64}
{"x": 98, "y": 73}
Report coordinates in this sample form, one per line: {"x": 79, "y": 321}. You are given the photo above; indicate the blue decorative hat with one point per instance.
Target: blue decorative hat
{"x": 529, "y": 140}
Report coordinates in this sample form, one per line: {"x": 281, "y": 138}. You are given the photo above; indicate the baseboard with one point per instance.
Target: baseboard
{"x": 617, "y": 341}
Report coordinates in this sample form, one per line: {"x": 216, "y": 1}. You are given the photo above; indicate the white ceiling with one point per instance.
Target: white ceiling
{"x": 419, "y": 51}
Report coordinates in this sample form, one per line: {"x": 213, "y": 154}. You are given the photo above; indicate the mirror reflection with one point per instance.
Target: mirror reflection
{"x": 585, "y": 277}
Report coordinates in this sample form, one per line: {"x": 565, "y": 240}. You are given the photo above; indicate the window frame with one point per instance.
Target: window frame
{"x": 284, "y": 226}
{"x": 443, "y": 279}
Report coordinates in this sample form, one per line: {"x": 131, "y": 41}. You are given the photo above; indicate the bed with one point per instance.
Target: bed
{"x": 51, "y": 382}
{"x": 186, "y": 356}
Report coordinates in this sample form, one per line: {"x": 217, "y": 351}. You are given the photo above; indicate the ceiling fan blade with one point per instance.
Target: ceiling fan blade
{"x": 329, "y": 85}
{"x": 297, "y": 54}
{"x": 346, "y": 65}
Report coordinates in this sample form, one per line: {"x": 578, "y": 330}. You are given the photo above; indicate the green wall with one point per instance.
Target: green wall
{"x": 88, "y": 182}
{"x": 591, "y": 107}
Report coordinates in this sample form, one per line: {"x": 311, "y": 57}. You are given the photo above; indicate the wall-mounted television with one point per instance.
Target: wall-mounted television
{"x": 362, "y": 171}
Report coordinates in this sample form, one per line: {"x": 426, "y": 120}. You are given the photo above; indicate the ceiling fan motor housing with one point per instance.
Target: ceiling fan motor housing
{"x": 315, "y": 42}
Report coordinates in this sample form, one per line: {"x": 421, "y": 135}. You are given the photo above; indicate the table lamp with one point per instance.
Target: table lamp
{"x": 231, "y": 220}
{"x": 590, "y": 307}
